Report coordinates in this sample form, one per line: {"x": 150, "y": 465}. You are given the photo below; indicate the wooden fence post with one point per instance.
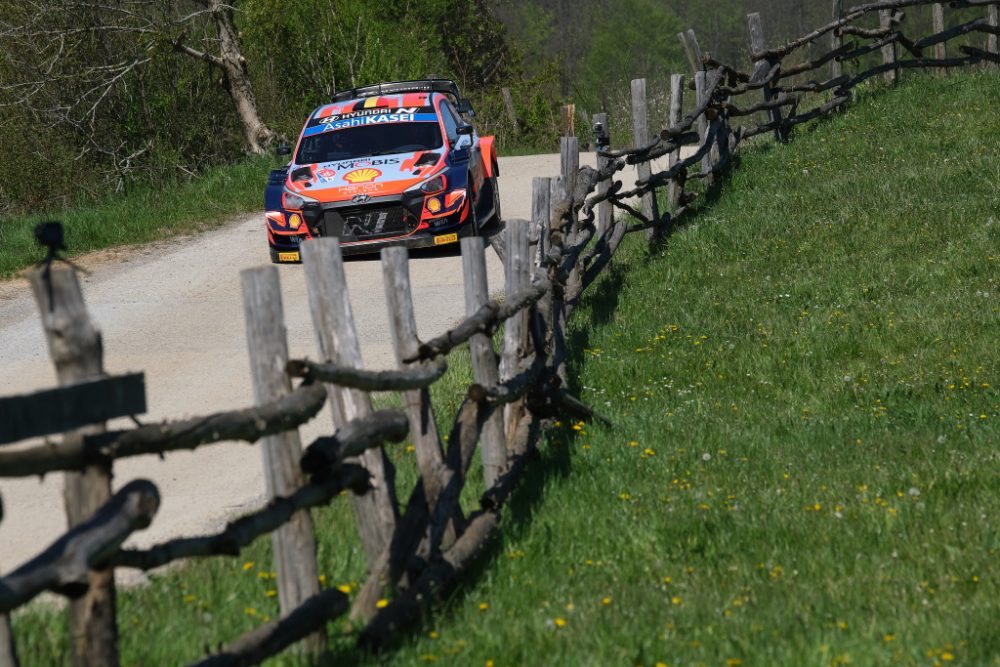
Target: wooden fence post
{"x": 889, "y": 50}
{"x": 836, "y": 40}
{"x": 993, "y": 18}
{"x": 484, "y": 357}
{"x": 516, "y": 334}
{"x": 375, "y": 512}
{"x": 674, "y": 191}
{"x": 761, "y": 68}
{"x": 692, "y": 51}
{"x": 602, "y": 142}
{"x": 940, "y": 50}
{"x": 703, "y": 127}
{"x": 641, "y": 136}
{"x": 78, "y": 354}
{"x": 294, "y": 544}
{"x": 541, "y": 196}
{"x": 569, "y": 120}
{"x": 403, "y": 325}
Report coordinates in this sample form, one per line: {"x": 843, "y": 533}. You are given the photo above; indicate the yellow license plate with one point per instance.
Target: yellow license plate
{"x": 288, "y": 256}
{"x": 445, "y": 238}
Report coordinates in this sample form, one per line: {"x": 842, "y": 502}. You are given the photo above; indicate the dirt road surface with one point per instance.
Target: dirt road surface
{"x": 174, "y": 310}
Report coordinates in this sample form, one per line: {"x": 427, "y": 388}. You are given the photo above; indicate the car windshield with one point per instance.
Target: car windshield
{"x": 365, "y": 141}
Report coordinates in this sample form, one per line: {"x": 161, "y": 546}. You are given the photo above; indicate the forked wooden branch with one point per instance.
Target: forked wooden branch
{"x": 65, "y": 566}
{"x": 248, "y": 425}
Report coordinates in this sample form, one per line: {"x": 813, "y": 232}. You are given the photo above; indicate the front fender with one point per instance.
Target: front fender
{"x": 488, "y": 152}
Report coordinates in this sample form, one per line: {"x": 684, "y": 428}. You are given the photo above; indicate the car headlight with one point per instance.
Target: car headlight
{"x": 292, "y": 201}
{"x": 431, "y": 186}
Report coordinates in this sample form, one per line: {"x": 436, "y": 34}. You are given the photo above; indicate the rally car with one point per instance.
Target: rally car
{"x": 388, "y": 164}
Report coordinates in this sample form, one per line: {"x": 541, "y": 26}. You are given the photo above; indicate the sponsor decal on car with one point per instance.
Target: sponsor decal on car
{"x": 366, "y": 175}
{"x": 364, "y": 162}
{"x": 326, "y": 174}
{"x": 445, "y": 238}
{"x": 362, "y": 113}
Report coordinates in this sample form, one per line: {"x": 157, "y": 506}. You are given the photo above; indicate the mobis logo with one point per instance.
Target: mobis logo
{"x": 357, "y": 164}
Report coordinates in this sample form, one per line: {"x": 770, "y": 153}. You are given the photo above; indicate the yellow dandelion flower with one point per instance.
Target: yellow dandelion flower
{"x": 271, "y": 593}
{"x": 322, "y": 579}
{"x": 888, "y": 638}
{"x": 489, "y": 663}
{"x": 947, "y": 657}
{"x": 344, "y": 588}
{"x": 677, "y": 599}
{"x": 606, "y": 600}
{"x": 624, "y": 495}
{"x": 667, "y": 580}
{"x": 248, "y": 565}
{"x": 483, "y": 606}
{"x": 429, "y": 657}
{"x": 250, "y": 611}
{"x": 841, "y": 625}
{"x": 190, "y": 598}
{"x": 410, "y": 449}
{"x": 649, "y": 452}
{"x": 734, "y": 662}
{"x": 382, "y": 604}
{"x": 433, "y": 634}
{"x": 633, "y": 443}
{"x": 560, "y": 622}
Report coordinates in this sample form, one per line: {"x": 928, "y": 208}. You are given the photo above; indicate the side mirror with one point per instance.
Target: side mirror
{"x": 282, "y": 150}
{"x": 464, "y": 107}
{"x": 464, "y": 129}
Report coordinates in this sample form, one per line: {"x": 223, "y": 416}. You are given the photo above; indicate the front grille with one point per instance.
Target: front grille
{"x": 369, "y": 222}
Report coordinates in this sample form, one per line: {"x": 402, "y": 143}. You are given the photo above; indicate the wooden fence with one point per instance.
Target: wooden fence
{"x": 549, "y": 261}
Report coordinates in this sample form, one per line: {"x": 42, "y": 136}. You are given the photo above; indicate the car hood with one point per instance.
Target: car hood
{"x": 376, "y": 175}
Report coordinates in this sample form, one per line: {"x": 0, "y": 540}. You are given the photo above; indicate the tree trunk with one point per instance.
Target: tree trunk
{"x": 258, "y": 135}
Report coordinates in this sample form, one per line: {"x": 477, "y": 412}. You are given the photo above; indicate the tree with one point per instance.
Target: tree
{"x": 73, "y": 58}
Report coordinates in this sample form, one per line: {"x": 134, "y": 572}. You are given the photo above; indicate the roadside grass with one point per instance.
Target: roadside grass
{"x": 803, "y": 382}
{"x": 143, "y": 214}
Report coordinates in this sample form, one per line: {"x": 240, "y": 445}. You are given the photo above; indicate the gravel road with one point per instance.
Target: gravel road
{"x": 174, "y": 310}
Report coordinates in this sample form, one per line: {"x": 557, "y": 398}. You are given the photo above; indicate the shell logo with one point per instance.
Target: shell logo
{"x": 362, "y": 175}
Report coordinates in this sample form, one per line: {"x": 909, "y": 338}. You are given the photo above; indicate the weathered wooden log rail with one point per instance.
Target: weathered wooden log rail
{"x": 417, "y": 555}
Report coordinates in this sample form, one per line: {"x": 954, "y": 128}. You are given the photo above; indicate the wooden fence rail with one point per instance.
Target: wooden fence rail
{"x": 416, "y": 554}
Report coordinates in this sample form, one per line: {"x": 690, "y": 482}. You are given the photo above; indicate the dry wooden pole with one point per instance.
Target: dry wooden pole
{"x": 294, "y": 544}
{"x": 541, "y": 192}
{"x": 993, "y": 18}
{"x": 940, "y": 50}
{"x": 694, "y": 59}
{"x": 78, "y": 354}
{"x": 569, "y": 163}
{"x": 674, "y": 190}
{"x": 569, "y": 120}
{"x": 602, "y": 143}
{"x": 761, "y": 69}
{"x": 484, "y": 357}
{"x": 508, "y": 102}
{"x": 706, "y": 160}
{"x": 516, "y": 345}
{"x": 889, "y": 50}
{"x": 641, "y": 137}
{"x": 375, "y": 512}
{"x": 836, "y": 40}
{"x": 403, "y": 325}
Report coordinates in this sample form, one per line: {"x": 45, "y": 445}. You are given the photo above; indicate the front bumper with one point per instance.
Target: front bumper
{"x": 411, "y": 232}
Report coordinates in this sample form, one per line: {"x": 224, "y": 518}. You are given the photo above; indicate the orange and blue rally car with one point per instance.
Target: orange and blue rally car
{"x": 388, "y": 164}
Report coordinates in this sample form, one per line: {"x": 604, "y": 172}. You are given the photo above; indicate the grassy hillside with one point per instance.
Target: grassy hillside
{"x": 804, "y": 386}
{"x": 803, "y": 468}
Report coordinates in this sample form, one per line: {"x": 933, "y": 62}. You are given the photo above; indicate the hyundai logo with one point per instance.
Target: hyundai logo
{"x": 360, "y": 199}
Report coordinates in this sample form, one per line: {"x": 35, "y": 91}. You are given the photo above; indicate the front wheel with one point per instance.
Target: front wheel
{"x": 489, "y": 217}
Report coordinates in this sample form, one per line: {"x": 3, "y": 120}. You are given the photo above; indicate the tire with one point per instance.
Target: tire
{"x": 494, "y": 219}
{"x": 274, "y": 255}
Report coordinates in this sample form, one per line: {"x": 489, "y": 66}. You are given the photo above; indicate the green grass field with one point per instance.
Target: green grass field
{"x": 803, "y": 469}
